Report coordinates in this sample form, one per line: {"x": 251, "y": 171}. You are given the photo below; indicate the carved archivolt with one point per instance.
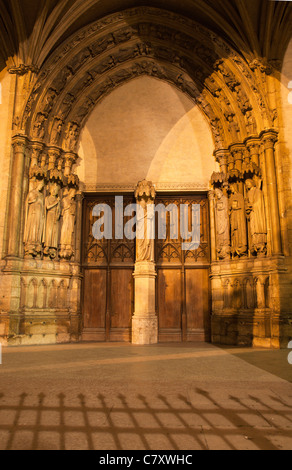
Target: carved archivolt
{"x": 145, "y": 41}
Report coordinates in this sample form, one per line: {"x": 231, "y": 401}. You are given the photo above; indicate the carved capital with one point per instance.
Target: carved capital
{"x": 54, "y": 154}
{"x": 221, "y": 157}
{"x": 36, "y": 150}
{"x": 19, "y": 144}
{"x": 269, "y": 138}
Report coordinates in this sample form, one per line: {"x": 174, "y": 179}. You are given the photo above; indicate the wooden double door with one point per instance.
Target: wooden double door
{"x": 182, "y": 286}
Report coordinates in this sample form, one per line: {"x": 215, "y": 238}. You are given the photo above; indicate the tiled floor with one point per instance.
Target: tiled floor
{"x": 165, "y": 397}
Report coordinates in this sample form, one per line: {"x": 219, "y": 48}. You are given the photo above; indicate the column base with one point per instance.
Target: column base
{"x": 145, "y": 329}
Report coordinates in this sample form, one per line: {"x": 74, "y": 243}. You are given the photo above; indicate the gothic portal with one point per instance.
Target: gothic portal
{"x": 184, "y": 106}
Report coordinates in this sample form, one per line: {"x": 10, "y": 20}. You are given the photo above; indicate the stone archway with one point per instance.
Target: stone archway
{"x": 230, "y": 92}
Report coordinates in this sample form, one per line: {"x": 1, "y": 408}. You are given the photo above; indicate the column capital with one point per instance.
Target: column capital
{"x": 222, "y": 156}
{"x": 269, "y": 137}
{"x": 252, "y": 143}
{"x": 19, "y": 143}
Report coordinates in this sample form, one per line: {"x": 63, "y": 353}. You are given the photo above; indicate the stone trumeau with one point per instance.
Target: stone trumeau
{"x": 55, "y": 73}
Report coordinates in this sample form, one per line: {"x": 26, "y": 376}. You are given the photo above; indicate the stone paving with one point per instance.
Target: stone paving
{"x": 164, "y": 397}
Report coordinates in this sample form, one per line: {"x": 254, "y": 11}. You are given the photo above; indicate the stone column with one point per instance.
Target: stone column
{"x": 145, "y": 321}
{"x": 16, "y": 195}
{"x": 269, "y": 138}
{"x": 211, "y": 196}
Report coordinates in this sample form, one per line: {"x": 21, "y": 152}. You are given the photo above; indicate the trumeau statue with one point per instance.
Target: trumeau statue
{"x": 68, "y": 214}
{"x": 145, "y": 195}
{"x": 34, "y": 221}
{"x": 52, "y": 217}
{"x": 238, "y": 222}
{"x": 255, "y": 211}
{"x": 222, "y": 224}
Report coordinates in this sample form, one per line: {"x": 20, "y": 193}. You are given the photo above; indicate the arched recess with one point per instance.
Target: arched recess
{"x": 145, "y": 42}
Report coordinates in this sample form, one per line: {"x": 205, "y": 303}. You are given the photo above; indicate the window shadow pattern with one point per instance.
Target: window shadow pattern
{"x": 191, "y": 421}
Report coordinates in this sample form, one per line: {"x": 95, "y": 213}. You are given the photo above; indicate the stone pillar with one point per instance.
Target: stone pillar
{"x": 269, "y": 138}
{"x": 211, "y": 196}
{"x": 16, "y": 195}
{"x": 145, "y": 321}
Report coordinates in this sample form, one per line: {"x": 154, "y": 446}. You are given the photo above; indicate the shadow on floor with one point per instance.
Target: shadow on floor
{"x": 192, "y": 421}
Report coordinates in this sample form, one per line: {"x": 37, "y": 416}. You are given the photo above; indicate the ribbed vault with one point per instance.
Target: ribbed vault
{"x": 30, "y": 31}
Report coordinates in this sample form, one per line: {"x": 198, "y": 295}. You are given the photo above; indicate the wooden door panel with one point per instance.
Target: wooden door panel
{"x": 197, "y": 304}
{"x": 94, "y": 306}
{"x": 121, "y": 298}
{"x": 169, "y": 304}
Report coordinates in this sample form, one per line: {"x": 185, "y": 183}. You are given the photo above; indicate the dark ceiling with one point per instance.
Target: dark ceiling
{"x": 31, "y": 30}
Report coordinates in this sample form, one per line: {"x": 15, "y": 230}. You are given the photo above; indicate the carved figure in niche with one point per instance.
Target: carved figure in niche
{"x": 222, "y": 224}
{"x": 56, "y": 131}
{"x": 71, "y": 136}
{"x": 218, "y": 132}
{"x": 255, "y": 212}
{"x": 68, "y": 214}
{"x": 52, "y": 218}
{"x": 232, "y": 127}
{"x": 39, "y": 126}
{"x": 145, "y": 195}
{"x": 237, "y": 222}
{"x": 49, "y": 101}
{"x": 251, "y": 125}
{"x": 67, "y": 105}
{"x": 34, "y": 220}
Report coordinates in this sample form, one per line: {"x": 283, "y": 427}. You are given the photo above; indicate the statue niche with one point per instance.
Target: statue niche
{"x": 52, "y": 218}
{"x": 222, "y": 224}
{"x": 68, "y": 213}
{"x": 255, "y": 212}
{"x": 237, "y": 222}
{"x": 34, "y": 219}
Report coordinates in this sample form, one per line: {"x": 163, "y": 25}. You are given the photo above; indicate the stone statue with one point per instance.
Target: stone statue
{"x": 238, "y": 223}
{"x": 255, "y": 211}
{"x": 39, "y": 126}
{"x": 68, "y": 214}
{"x": 71, "y": 136}
{"x": 222, "y": 224}
{"x": 52, "y": 217}
{"x": 56, "y": 131}
{"x": 145, "y": 195}
{"x": 34, "y": 220}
